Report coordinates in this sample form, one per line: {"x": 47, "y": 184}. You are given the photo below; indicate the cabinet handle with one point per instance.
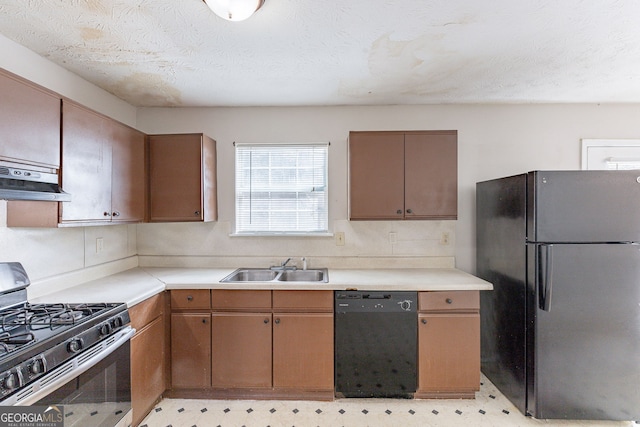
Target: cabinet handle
{"x": 449, "y": 301}
{"x": 409, "y": 211}
{"x": 197, "y": 213}
{"x": 277, "y": 321}
{"x": 106, "y": 213}
{"x": 116, "y": 213}
{"x": 204, "y": 320}
{"x": 399, "y": 211}
{"x": 266, "y": 321}
{"x": 424, "y": 321}
{"x": 189, "y": 298}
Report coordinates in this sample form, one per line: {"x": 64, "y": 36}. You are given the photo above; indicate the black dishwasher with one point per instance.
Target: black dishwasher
{"x": 375, "y": 344}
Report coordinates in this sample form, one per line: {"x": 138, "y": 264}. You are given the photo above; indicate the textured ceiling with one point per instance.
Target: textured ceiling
{"x": 354, "y": 52}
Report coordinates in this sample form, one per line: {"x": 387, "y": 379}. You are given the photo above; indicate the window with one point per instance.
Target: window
{"x": 281, "y": 189}
{"x": 610, "y": 154}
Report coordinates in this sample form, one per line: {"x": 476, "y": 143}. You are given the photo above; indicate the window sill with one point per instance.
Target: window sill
{"x": 274, "y": 234}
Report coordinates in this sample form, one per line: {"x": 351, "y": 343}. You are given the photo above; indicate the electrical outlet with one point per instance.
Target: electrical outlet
{"x": 444, "y": 238}
{"x": 339, "y": 238}
{"x": 99, "y": 244}
{"x": 393, "y": 237}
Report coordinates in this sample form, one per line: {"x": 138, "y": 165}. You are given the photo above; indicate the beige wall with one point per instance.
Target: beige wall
{"x": 494, "y": 140}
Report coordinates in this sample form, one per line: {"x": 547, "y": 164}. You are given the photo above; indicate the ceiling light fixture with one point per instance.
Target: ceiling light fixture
{"x": 234, "y": 10}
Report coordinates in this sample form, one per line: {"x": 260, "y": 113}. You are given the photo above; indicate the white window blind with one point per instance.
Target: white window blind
{"x": 281, "y": 188}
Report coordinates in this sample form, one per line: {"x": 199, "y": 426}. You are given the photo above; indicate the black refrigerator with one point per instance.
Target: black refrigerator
{"x": 561, "y": 329}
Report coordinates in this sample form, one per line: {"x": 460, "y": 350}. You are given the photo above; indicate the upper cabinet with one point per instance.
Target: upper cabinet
{"x": 182, "y": 178}
{"x": 128, "y": 174}
{"x": 103, "y": 168}
{"x": 30, "y": 118}
{"x": 403, "y": 175}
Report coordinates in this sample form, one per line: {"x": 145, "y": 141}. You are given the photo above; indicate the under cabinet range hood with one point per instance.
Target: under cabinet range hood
{"x": 25, "y": 184}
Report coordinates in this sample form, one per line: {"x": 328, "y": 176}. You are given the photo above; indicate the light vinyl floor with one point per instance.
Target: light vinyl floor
{"x": 490, "y": 409}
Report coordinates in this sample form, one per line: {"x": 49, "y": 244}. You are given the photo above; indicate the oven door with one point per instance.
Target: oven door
{"x": 96, "y": 389}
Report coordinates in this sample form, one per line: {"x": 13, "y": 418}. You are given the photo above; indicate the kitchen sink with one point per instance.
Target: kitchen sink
{"x": 251, "y": 275}
{"x": 247, "y": 275}
{"x": 316, "y": 275}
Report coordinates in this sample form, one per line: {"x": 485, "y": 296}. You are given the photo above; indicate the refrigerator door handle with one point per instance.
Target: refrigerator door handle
{"x": 545, "y": 279}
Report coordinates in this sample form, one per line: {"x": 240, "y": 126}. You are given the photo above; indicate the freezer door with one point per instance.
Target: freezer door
{"x": 583, "y": 206}
{"x": 584, "y": 361}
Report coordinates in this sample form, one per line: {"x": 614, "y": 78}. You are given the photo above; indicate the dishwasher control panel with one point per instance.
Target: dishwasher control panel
{"x": 379, "y": 301}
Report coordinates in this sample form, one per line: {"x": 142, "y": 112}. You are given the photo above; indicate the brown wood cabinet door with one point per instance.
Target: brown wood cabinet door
{"x": 190, "y": 299}
{"x": 28, "y": 213}
{"x": 448, "y": 352}
{"x": 147, "y": 368}
{"x": 431, "y": 175}
{"x": 175, "y": 177}
{"x": 241, "y": 300}
{"x": 302, "y": 301}
{"x": 128, "y": 174}
{"x": 191, "y": 350}
{"x": 241, "y": 350}
{"x": 303, "y": 351}
{"x": 86, "y": 165}
{"x": 376, "y": 175}
{"x": 30, "y": 119}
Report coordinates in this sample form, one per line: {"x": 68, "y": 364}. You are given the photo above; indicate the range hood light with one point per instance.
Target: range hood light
{"x": 234, "y": 10}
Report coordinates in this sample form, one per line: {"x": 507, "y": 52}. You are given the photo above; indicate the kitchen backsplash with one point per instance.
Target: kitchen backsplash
{"x": 48, "y": 253}
{"x": 367, "y": 244}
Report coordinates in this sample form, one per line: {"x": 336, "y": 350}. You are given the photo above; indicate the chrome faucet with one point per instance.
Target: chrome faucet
{"x": 283, "y": 266}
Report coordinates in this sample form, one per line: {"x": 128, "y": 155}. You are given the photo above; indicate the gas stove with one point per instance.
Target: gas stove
{"x": 36, "y": 339}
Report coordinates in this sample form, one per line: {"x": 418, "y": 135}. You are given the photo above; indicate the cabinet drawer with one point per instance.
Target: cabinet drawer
{"x": 241, "y": 300}
{"x": 449, "y": 300}
{"x": 190, "y": 299}
{"x": 144, "y": 312}
{"x": 321, "y": 301}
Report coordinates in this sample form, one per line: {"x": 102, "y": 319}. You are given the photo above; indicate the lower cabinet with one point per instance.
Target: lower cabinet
{"x": 303, "y": 351}
{"x": 448, "y": 344}
{"x": 280, "y": 344}
{"x": 190, "y": 350}
{"x": 246, "y": 346}
{"x": 241, "y": 350}
{"x": 148, "y": 380}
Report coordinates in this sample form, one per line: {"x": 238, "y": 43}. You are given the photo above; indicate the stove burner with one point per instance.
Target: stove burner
{"x": 18, "y": 324}
{"x": 10, "y": 342}
{"x": 68, "y": 316}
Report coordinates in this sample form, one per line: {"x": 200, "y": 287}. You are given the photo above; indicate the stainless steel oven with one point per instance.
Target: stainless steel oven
{"x": 72, "y": 355}
{"x": 95, "y": 390}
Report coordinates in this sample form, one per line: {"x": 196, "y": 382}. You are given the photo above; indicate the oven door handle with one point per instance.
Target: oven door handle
{"x": 69, "y": 370}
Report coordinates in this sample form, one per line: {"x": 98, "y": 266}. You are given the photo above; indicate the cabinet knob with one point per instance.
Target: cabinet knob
{"x": 449, "y": 301}
{"x": 409, "y": 211}
{"x": 424, "y": 321}
{"x": 266, "y": 321}
{"x": 204, "y": 320}
{"x": 277, "y": 321}
{"x": 106, "y": 213}
{"x": 116, "y": 213}
{"x": 399, "y": 211}
{"x": 197, "y": 213}
{"x": 189, "y": 298}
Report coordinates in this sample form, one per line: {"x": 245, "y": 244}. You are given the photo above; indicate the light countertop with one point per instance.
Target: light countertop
{"x": 138, "y": 284}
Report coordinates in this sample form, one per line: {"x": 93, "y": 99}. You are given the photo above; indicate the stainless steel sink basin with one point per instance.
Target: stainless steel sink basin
{"x": 251, "y": 275}
{"x": 248, "y": 275}
{"x": 315, "y": 275}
